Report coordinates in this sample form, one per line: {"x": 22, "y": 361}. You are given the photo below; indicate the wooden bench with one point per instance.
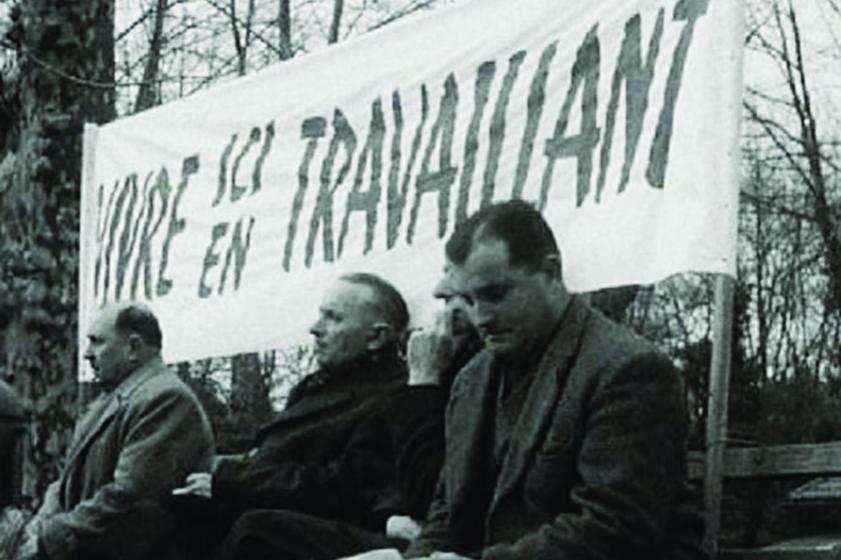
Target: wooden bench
{"x": 780, "y": 461}
{"x": 820, "y": 547}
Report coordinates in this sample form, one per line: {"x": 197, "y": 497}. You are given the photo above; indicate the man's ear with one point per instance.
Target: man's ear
{"x": 551, "y": 266}
{"x": 381, "y": 335}
{"x": 135, "y": 345}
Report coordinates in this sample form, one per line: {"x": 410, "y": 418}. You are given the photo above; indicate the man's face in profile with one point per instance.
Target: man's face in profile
{"x": 455, "y": 307}
{"x": 345, "y": 326}
{"x": 108, "y": 350}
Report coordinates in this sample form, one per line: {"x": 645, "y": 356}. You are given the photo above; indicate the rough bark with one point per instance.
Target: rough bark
{"x": 65, "y": 59}
{"x": 284, "y": 25}
{"x": 336, "y": 23}
{"x": 148, "y": 95}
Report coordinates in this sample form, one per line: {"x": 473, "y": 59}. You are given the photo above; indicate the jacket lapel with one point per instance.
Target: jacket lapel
{"x": 98, "y": 417}
{"x": 542, "y": 398}
{"x": 94, "y": 421}
{"x": 357, "y": 385}
{"x": 468, "y": 422}
{"x": 307, "y": 407}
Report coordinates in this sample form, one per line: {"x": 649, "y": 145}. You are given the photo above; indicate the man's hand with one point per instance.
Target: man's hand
{"x": 430, "y": 352}
{"x": 198, "y": 484}
{"x": 402, "y": 526}
{"x": 439, "y": 556}
{"x": 28, "y": 549}
{"x": 378, "y": 554}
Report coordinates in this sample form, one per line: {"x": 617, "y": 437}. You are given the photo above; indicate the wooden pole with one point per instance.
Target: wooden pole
{"x": 717, "y": 407}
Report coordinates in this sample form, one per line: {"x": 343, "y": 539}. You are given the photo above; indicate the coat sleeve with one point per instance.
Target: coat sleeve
{"x": 165, "y": 434}
{"x": 631, "y": 464}
{"x": 355, "y": 480}
{"x": 416, "y": 419}
{"x": 50, "y": 504}
{"x": 435, "y": 533}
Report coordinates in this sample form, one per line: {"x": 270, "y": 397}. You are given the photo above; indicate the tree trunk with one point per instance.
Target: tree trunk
{"x": 336, "y": 24}
{"x": 249, "y": 404}
{"x": 66, "y": 61}
{"x": 148, "y": 94}
{"x": 827, "y": 224}
{"x": 284, "y": 25}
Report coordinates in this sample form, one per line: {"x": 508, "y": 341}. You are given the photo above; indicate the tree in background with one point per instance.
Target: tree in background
{"x": 186, "y": 45}
{"x": 58, "y": 74}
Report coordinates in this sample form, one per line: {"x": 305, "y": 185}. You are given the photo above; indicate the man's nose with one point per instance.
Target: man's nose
{"x": 316, "y": 329}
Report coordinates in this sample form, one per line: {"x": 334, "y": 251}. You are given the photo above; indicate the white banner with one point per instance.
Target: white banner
{"x": 231, "y": 210}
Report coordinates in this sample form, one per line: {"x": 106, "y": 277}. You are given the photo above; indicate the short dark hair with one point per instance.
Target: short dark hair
{"x": 139, "y": 320}
{"x": 527, "y": 235}
{"x": 391, "y": 301}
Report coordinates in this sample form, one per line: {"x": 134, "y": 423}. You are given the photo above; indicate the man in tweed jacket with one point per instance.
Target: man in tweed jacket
{"x": 565, "y": 437}
{"x": 134, "y": 443}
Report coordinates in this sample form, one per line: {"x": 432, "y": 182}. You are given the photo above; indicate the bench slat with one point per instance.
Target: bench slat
{"x": 778, "y": 460}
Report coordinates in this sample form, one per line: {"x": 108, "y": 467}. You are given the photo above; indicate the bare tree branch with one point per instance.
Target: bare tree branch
{"x": 258, "y": 36}
{"x": 147, "y": 93}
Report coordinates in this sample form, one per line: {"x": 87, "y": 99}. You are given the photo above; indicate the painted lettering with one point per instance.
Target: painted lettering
{"x": 161, "y": 189}
{"x": 312, "y": 129}
{"x": 689, "y": 11}
{"x": 534, "y": 110}
{"x": 237, "y": 252}
{"x": 585, "y": 74}
{"x": 484, "y": 77}
{"x": 211, "y": 257}
{"x": 238, "y": 190}
{"x": 440, "y": 181}
{"x": 176, "y": 223}
{"x": 367, "y": 201}
{"x": 637, "y": 78}
{"x": 322, "y": 216}
{"x": 397, "y": 198}
{"x": 497, "y": 132}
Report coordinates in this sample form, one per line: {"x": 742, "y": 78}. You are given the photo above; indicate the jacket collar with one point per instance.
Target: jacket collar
{"x": 323, "y": 390}
{"x": 139, "y": 376}
{"x": 547, "y": 384}
{"x": 103, "y": 410}
{"x": 360, "y": 378}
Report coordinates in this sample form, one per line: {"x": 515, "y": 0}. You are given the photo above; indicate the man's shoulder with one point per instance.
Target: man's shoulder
{"x": 473, "y": 374}
{"x": 603, "y": 332}
{"x": 615, "y": 347}
{"x": 157, "y": 382}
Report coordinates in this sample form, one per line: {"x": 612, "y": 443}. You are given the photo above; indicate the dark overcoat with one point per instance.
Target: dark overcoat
{"x": 595, "y": 467}
{"x": 321, "y": 455}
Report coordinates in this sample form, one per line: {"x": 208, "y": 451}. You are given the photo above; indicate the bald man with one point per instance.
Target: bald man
{"x": 140, "y": 437}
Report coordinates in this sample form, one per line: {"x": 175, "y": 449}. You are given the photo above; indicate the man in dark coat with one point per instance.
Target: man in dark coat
{"x": 320, "y": 480}
{"x": 133, "y": 445}
{"x": 436, "y": 354}
{"x": 565, "y": 437}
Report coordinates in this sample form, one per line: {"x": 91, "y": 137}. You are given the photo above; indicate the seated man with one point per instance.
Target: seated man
{"x": 416, "y": 413}
{"x": 132, "y": 446}
{"x": 320, "y": 480}
{"x": 565, "y": 437}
